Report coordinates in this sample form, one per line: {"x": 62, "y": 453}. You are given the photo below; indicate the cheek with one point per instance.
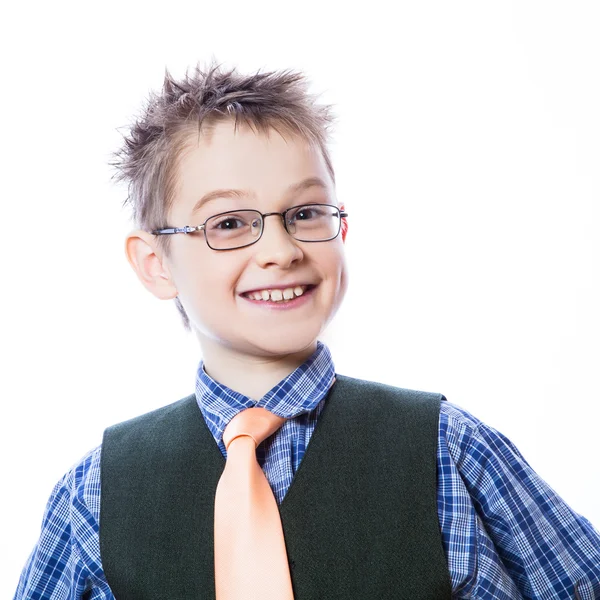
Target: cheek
{"x": 211, "y": 288}
{"x": 209, "y": 299}
{"x": 342, "y": 270}
{"x": 333, "y": 265}
{"x": 203, "y": 279}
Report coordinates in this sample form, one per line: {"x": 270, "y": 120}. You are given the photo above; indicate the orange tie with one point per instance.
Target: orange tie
{"x": 250, "y": 556}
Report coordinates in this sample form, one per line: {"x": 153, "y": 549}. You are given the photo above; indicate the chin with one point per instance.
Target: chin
{"x": 277, "y": 343}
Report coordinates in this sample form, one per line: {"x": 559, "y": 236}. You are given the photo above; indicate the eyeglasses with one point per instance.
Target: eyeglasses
{"x": 239, "y": 228}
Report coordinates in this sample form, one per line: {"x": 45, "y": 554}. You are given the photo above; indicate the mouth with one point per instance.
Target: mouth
{"x": 280, "y": 298}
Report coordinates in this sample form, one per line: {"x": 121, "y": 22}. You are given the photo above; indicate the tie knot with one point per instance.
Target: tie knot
{"x": 258, "y": 423}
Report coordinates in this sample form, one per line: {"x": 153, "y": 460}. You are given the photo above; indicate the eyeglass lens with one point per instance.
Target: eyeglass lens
{"x": 234, "y": 229}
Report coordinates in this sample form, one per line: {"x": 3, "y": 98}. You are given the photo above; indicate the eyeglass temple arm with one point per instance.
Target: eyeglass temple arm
{"x": 172, "y": 230}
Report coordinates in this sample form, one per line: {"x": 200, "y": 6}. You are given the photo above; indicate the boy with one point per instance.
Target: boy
{"x": 401, "y": 494}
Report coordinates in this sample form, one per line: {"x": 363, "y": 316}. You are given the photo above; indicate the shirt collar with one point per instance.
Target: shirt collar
{"x": 298, "y": 393}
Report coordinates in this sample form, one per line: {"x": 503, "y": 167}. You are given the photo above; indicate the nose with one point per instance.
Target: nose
{"x": 276, "y": 246}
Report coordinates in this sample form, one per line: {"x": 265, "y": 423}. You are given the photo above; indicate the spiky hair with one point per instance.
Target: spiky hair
{"x": 147, "y": 161}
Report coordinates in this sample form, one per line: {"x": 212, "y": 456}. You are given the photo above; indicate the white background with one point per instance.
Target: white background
{"x": 473, "y": 127}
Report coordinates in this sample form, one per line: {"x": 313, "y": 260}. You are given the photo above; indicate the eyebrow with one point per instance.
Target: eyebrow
{"x": 292, "y": 190}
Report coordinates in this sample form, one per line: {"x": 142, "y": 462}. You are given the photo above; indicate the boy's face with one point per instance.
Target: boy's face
{"x": 210, "y": 283}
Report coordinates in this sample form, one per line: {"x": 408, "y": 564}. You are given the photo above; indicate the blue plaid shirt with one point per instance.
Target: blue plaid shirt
{"x": 506, "y": 533}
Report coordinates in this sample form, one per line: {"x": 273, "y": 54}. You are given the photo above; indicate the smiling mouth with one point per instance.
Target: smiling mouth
{"x": 278, "y": 295}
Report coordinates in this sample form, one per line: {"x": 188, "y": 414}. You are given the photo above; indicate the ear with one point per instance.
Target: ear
{"x": 148, "y": 264}
{"x": 344, "y": 224}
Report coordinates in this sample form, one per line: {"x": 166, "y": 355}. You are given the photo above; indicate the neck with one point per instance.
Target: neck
{"x": 250, "y": 374}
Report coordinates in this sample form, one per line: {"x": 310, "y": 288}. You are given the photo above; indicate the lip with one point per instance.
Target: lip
{"x": 289, "y": 305}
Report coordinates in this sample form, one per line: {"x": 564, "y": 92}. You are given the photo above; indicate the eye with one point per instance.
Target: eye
{"x": 229, "y": 223}
{"x": 306, "y": 213}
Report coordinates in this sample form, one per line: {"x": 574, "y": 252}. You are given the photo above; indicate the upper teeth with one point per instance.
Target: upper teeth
{"x": 277, "y": 295}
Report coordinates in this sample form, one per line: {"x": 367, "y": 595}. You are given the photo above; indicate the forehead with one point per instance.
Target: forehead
{"x": 262, "y": 166}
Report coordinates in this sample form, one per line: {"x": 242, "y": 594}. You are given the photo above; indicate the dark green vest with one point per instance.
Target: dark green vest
{"x": 360, "y": 518}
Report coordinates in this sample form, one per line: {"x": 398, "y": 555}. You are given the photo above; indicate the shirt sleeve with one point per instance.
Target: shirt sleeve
{"x": 506, "y": 533}
{"x": 65, "y": 563}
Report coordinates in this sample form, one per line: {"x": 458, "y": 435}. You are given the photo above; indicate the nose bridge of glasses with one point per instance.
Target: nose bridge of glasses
{"x": 282, "y": 216}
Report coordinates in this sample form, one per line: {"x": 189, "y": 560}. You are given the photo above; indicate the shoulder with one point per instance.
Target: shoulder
{"x": 80, "y": 479}
{"x": 81, "y": 484}
{"x": 154, "y": 434}
{"x": 388, "y": 411}
{"x": 175, "y": 412}
{"x": 467, "y": 438}
{"x": 458, "y": 427}
{"x": 376, "y": 392}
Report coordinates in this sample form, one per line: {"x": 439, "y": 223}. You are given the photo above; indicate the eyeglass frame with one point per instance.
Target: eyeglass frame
{"x": 193, "y": 228}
